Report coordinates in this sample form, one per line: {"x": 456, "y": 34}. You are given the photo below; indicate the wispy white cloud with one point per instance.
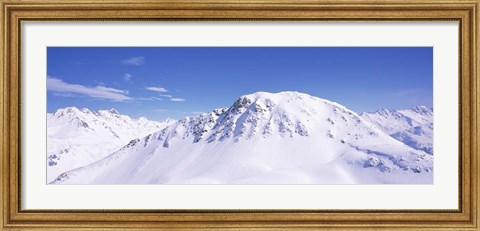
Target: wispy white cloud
{"x": 150, "y": 98}
{"x": 157, "y": 89}
{"x": 177, "y": 99}
{"x": 127, "y": 77}
{"x": 136, "y": 61}
{"x": 61, "y": 88}
{"x": 164, "y": 90}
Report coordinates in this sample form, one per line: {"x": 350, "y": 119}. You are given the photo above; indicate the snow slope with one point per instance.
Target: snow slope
{"x": 263, "y": 138}
{"x": 80, "y": 137}
{"x": 412, "y": 126}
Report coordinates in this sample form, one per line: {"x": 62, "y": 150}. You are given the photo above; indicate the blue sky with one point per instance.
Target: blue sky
{"x": 173, "y": 82}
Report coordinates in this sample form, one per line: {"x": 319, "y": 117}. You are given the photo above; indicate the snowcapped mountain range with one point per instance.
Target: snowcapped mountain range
{"x": 76, "y": 138}
{"x": 262, "y": 138}
{"x": 413, "y": 127}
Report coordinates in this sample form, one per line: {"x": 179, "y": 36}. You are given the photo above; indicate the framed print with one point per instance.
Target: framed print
{"x": 239, "y": 115}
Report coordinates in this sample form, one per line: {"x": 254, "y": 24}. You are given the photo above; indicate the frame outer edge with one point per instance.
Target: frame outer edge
{"x": 8, "y": 112}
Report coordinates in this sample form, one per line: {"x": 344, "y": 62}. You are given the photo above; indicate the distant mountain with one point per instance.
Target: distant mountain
{"x": 79, "y": 137}
{"x": 263, "y": 138}
{"x": 413, "y": 127}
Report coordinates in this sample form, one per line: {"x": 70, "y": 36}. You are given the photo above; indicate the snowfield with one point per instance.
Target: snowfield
{"x": 262, "y": 138}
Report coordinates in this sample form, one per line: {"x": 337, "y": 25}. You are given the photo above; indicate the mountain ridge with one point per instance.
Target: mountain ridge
{"x": 254, "y": 140}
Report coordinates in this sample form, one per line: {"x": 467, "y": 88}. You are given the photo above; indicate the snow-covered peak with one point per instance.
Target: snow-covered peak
{"x": 381, "y": 111}
{"x": 293, "y": 102}
{"x": 108, "y": 113}
{"x": 114, "y": 111}
{"x": 284, "y": 95}
{"x": 74, "y": 111}
{"x": 282, "y": 98}
{"x": 263, "y": 114}
{"x": 67, "y": 111}
{"x": 422, "y": 110}
{"x": 143, "y": 119}
{"x": 71, "y": 122}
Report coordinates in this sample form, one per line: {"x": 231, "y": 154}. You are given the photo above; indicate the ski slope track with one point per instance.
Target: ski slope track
{"x": 262, "y": 138}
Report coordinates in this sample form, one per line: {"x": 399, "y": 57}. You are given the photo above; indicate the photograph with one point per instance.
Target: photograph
{"x": 239, "y": 115}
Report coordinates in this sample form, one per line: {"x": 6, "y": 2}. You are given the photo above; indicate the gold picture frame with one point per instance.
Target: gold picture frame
{"x": 14, "y": 12}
